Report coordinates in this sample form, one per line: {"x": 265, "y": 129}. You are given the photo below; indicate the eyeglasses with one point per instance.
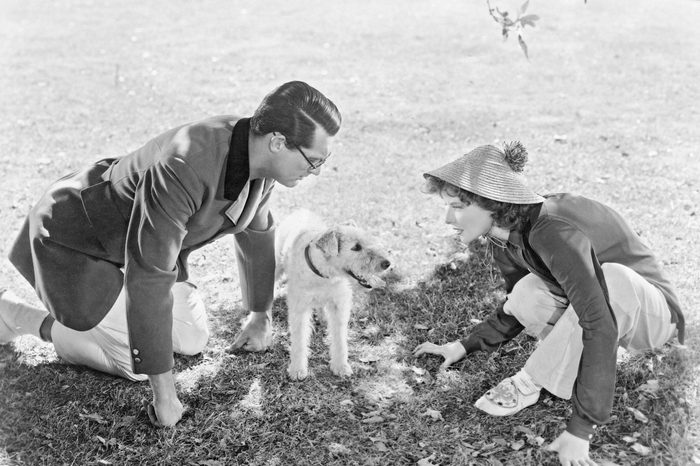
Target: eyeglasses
{"x": 313, "y": 166}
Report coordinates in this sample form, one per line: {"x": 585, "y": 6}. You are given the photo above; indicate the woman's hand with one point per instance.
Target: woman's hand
{"x": 452, "y": 352}
{"x": 573, "y": 451}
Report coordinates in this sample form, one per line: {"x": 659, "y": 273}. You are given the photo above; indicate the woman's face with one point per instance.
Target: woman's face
{"x": 470, "y": 220}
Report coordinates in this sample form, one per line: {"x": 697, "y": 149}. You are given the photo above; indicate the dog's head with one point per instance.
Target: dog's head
{"x": 349, "y": 250}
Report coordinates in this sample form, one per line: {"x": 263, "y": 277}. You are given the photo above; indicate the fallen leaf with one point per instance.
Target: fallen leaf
{"x": 500, "y": 441}
{"x": 93, "y": 417}
{"x": 418, "y": 370}
{"x": 434, "y": 414}
{"x": 524, "y": 430}
{"x": 426, "y": 461}
{"x": 638, "y": 415}
{"x": 373, "y": 420}
{"x": 517, "y": 445}
{"x": 369, "y": 358}
{"x": 346, "y": 403}
{"x": 651, "y": 386}
{"x": 629, "y": 439}
{"x": 641, "y": 449}
{"x": 338, "y": 449}
{"x": 421, "y": 327}
{"x": 381, "y": 447}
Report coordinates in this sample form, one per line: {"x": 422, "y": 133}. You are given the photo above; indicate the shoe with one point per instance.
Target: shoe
{"x": 7, "y": 332}
{"x": 510, "y": 396}
{"x": 17, "y": 318}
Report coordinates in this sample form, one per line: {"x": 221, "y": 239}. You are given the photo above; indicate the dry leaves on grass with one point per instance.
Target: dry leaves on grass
{"x": 638, "y": 415}
{"x": 427, "y": 461}
{"x": 641, "y": 449}
{"x": 650, "y": 387}
{"x": 338, "y": 449}
{"x": 435, "y": 415}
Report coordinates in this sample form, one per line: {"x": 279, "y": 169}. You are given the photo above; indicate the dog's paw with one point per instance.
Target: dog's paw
{"x": 341, "y": 369}
{"x": 297, "y": 373}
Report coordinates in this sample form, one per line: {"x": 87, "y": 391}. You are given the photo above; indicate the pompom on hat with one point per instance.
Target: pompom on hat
{"x": 491, "y": 173}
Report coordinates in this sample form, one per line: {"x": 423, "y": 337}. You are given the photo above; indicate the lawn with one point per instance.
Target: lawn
{"x": 606, "y": 105}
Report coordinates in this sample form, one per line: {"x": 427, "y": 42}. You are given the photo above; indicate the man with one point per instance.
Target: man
{"x": 106, "y": 247}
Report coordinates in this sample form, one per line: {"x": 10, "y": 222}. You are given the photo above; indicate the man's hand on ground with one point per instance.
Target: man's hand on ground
{"x": 166, "y": 409}
{"x": 256, "y": 334}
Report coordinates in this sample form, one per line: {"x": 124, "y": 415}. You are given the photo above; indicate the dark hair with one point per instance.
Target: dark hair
{"x": 504, "y": 214}
{"x": 295, "y": 109}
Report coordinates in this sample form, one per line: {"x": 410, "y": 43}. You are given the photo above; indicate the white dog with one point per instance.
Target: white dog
{"x": 320, "y": 264}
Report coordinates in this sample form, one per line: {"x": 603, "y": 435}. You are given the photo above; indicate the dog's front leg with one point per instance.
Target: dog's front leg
{"x": 338, "y": 316}
{"x": 299, "y": 319}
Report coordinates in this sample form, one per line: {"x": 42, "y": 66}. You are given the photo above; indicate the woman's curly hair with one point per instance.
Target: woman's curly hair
{"x": 505, "y": 215}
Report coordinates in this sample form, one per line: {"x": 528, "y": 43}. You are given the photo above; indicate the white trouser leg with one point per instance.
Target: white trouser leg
{"x": 106, "y": 347}
{"x": 642, "y": 315}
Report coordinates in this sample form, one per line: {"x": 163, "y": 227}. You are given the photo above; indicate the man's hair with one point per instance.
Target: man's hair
{"x": 295, "y": 109}
{"x": 504, "y": 214}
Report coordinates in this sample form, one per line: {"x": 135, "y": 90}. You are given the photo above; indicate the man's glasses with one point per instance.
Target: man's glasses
{"x": 313, "y": 166}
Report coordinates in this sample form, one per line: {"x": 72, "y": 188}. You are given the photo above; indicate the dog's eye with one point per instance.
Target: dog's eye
{"x": 357, "y": 247}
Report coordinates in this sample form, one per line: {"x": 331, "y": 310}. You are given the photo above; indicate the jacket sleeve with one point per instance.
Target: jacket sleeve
{"x": 499, "y": 328}
{"x": 168, "y": 194}
{"x": 569, "y": 255}
{"x": 255, "y": 254}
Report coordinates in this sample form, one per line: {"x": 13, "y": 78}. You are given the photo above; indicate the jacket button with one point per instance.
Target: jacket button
{"x": 137, "y": 360}
{"x": 135, "y": 351}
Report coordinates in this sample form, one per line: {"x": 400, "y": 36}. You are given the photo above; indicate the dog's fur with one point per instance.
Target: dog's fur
{"x": 343, "y": 255}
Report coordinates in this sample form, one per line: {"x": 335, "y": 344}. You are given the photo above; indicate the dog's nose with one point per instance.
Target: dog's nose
{"x": 385, "y": 264}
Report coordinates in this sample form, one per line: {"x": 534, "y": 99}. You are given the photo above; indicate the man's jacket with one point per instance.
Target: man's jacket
{"x": 132, "y": 221}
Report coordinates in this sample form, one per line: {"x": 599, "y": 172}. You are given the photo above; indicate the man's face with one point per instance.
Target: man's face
{"x": 292, "y": 165}
{"x": 469, "y": 220}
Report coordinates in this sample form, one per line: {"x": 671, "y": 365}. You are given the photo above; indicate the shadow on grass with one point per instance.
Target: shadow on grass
{"x": 395, "y": 409}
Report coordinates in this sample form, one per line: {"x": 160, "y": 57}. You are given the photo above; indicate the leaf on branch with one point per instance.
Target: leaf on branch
{"x": 523, "y": 46}
{"x": 529, "y": 20}
{"x": 523, "y": 7}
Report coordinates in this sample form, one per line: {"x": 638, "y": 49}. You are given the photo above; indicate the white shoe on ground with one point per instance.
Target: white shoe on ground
{"x": 510, "y": 396}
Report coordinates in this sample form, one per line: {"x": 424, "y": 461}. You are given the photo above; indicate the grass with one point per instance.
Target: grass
{"x": 606, "y": 106}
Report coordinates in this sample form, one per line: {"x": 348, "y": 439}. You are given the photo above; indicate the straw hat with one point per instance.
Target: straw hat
{"x": 491, "y": 173}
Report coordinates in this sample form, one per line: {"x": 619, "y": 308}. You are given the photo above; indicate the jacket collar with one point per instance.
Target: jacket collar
{"x": 237, "y": 164}
{"x": 516, "y": 236}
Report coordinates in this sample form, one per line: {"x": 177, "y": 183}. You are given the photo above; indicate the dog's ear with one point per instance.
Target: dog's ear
{"x": 329, "y": 243}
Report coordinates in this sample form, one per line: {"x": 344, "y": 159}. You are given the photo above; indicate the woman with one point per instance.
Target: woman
{"x": 577, "y": 277}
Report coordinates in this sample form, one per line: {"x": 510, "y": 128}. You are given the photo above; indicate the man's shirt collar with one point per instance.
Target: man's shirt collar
{"x": 237, "y": 165}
